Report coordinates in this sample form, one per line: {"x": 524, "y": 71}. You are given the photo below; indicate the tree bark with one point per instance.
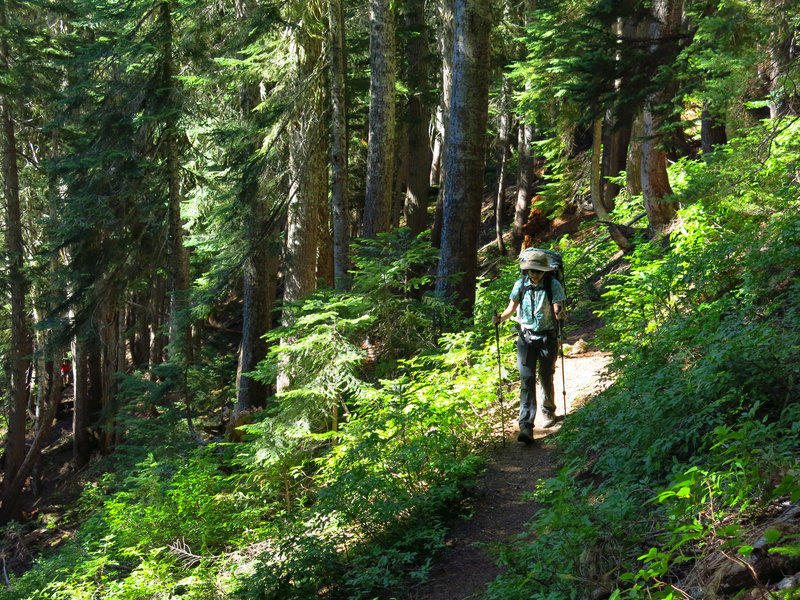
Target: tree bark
{"x": 258, "y": 284}
{"x": 339, "y": 196}
{"x": 13, "y": 487}
{"x": 503, "y": 148}
{"x": 436, "y": 148}
{"x": 308, "y": 174}
{"x": 655, "y": 181}
{"x": 400, "y": 171}
{"x": 525, "y": 158}
{"x": 255, "y": 323}
{"x": 418, "y": 62}
{"x": 615, "y": 152}
{"x": 180, "y": 324}
{"x": 447, "y": 45}
{"x": 381, "y": 141}
{"x": 181, "y": 344}
{"x": 712, "y": 130}
{"x": 596, "y": 174}
{"x": 633, "y": 179}
{"x": 782, "y": 54}
{"x": 324, "y": 235}
{"x": 522, "y": 206}
{"x": 20, "y": 343}
{"x": 81, "y": 434}
{"x": 465, "y": 153}
{"x": 666, "y": 19}
{"x": 157, "y": 306}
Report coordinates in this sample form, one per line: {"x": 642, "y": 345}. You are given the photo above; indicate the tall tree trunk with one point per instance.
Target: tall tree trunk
{"x": 596, "y": 174}
{"x": 381, "y": 142}
{"x": 108, "y": 326}
{"x": 418, "y": 61}
{"x": 447, "y": 47}
{"x": 158, "y": 316}
{"x": 138, "y": 331}
{"x": 782, "y": 54}
{"x": 308, "y": 173}
{"x": 503, "y": 151}
{"x": 437, "y": 128}
{"x": 178, "y": 285}
{"x": 525, "y": 157}
{"x": 712, "y": 130}
{"x": 255, "y": 323}
{"x": 655, "y": 181}
{"x": 666, "y": 19}
{"x": 324, "y": 233}
{"x": 615, "y": 152}
{"x": 13, "y": 487}
{"x": 20, "y": 343}
{"x": 339, "y": 196}
{"x": 95, "y": 380}
{"x": 400, "y": 171}
{"x": 522, "y": 206}
{"x": 465, "y": 152}
{"x": 306, "y": 164}
{"x": 181, "y": 344}
{"x": 633, "y": 179}
{"x": 617, "y": 133}
{"x": 257, "y": 303}
{"x": 81, "y": 434}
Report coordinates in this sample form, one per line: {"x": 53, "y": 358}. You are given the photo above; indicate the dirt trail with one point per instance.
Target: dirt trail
{"x": 499, "y": 510}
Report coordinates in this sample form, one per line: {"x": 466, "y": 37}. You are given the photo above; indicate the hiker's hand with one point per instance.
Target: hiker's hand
{"x": 497, "y": 319}
{"x": 560, "y": 314}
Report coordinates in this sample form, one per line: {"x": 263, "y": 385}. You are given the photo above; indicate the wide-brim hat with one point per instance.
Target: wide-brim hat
{"x": 534, "y": 261}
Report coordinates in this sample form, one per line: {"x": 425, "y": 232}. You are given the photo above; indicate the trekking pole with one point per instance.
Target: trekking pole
{"x": 500, "y": 380}
{"x": 563, "y": 376}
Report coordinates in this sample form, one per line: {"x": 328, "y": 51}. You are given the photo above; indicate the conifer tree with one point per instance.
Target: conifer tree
{"x": 20, "y": 343}
{"x": 438, "y": 173}
{"x": 381, "y": 141}
{"x": 465, "y": 153}
{"x": 339, "y": 139}
{"x": 662, "y": 29}
{"x": 417, "y": 110}
{"x": 307, "y": 157}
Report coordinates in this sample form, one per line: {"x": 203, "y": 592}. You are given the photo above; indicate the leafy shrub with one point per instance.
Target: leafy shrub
{"x": 699, "y": 432}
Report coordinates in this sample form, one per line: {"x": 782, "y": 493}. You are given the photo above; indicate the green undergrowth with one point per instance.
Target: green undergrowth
{"x": 340, "y": 488}
{"x": 668, "y": 476}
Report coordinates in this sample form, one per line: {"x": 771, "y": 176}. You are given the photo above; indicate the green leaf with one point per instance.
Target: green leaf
{"x": 746, "y": 550}
{"x": 731, "y": 530}
{"x": 772, "y": 535}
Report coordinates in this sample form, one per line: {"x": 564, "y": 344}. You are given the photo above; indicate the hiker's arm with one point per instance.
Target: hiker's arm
{"x": 512, "y": 306}
{"x": 557, "y": 311}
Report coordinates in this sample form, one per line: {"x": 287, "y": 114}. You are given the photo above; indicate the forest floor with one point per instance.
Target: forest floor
{"x": 497, "y": 508}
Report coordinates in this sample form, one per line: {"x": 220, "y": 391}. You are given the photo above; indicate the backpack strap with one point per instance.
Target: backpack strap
{"x": 527, "y": 288}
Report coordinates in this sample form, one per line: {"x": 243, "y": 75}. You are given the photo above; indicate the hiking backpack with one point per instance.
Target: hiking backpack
{"x": 556, "y": 264}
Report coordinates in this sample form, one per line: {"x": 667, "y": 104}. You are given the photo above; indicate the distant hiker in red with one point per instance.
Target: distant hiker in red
{"x": 66, "y": 373}
{"x": 539, "y": 297}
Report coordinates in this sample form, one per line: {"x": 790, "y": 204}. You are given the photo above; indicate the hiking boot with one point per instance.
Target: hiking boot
{"x": 548, "y": 419}
{"x": 525, "y": 435}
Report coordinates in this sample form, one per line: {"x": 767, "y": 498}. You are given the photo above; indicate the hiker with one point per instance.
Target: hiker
{"x": 539, "y": 297}
{"x": 66, "y": 373}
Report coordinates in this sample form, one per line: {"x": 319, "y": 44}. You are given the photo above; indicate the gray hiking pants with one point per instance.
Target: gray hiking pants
{"x": 541, "y": 352}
